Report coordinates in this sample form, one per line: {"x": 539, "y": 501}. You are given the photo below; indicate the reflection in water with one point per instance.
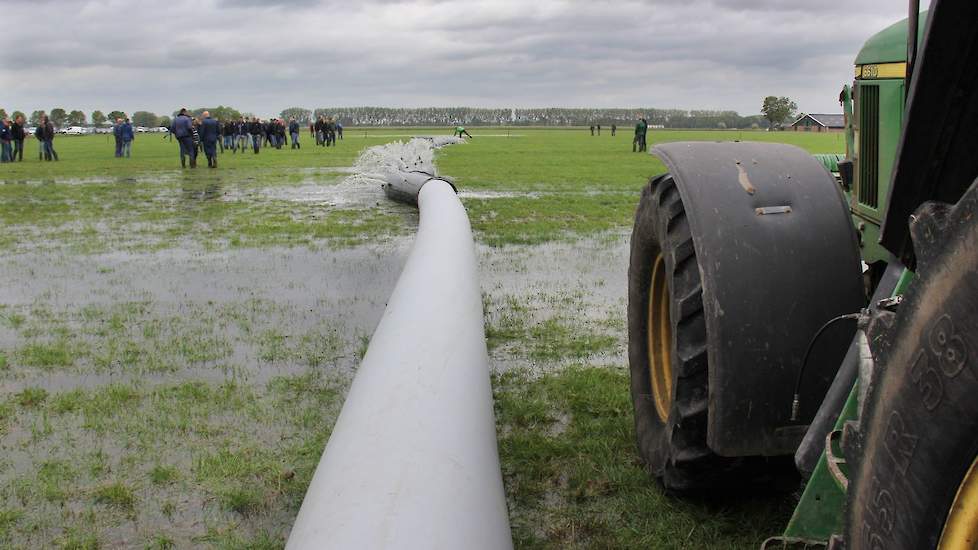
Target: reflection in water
{"x": 203, "y": 187}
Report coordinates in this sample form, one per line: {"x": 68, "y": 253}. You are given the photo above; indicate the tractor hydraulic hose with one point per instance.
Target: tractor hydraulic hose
{"x": 796, "y": 398}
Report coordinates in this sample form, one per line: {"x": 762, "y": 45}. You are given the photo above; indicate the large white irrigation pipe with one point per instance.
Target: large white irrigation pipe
{"x": 412, "y": 461}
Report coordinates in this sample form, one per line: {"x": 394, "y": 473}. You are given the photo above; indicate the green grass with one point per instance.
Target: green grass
{"x": 186, "y": 422}
{"x": 573, "y": 480}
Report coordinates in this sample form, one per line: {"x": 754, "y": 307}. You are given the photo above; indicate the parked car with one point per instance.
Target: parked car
{"x": 75, "y": 131}
{"x": 161, "y": 130}
{"x": 141, "y": 129}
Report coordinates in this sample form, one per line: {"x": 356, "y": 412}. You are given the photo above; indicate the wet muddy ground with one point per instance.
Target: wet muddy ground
{"x": 179, "y": 395}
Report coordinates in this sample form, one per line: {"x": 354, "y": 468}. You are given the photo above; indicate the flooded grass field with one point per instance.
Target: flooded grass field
{"x": 175, "y": 345}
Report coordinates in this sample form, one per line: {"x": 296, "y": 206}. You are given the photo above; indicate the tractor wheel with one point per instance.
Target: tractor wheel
{"x": 667, "y": 344}
{"x": 914, "y": 478}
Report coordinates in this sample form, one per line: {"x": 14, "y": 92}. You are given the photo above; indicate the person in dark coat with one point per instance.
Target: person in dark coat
{"x": 294, "y": 133}
{"x": 47, "y": 138}
{"x": 18, "y": 135}
{"x": 117, "y": 133}
{"x": 210, "y": 133}
{"x": 183, "y": 127}
{"x": 6, "y": 136}
{"x": 243, "y": 136}
{"x": 230, "y": 136}
{"x": 255, "y": 129}
{"x": 127, "y": 135}
{"x": 339, "y": 129}
{"x": 320, "y": 127}
{"x": 614, "y": 129}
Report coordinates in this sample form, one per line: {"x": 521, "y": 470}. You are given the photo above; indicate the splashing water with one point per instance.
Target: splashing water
{"x": 377, "y": 162}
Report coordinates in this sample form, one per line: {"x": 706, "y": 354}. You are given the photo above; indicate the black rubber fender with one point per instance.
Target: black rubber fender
{"x": 778, "y": 257}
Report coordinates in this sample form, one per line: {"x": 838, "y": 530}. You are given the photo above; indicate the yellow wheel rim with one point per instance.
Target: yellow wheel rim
{"x": 659, "y": 329}
{"x": 961, "y": 528}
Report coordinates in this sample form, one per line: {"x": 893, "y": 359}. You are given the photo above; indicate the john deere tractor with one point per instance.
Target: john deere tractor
{"x": 776, "y": 311}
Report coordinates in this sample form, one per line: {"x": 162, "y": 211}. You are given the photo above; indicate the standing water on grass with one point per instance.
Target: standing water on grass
{"x": 416, "y": 155}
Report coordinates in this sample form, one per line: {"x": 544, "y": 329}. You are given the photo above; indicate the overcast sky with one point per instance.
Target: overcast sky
{"x": 261, "y": 56}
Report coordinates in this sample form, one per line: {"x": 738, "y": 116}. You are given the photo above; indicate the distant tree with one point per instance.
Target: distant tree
{"x": 777, "y": 109}
{"x": 36, "y": 117}
{"x": 76, "y": 118}
{"x": 116, "y": 114}
{"x": 165, "y": 121}
{"x": 18, "y": 114}
{"x": 98, "y": 118}
{"x": 58, "y": 116}
{"x": 302, "y": 116}
{"x": 145, "y": 118}
{"x": 3, "y": 113}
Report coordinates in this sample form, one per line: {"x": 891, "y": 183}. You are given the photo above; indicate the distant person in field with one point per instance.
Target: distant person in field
{"x": 592, "y": 129}
{"x": 243, "y": 135}
{"x": 47, "y": 138}
{"x": 614, "y": 130}
{"x": 210, "y": 133}
{"x": 18, "y": 134}
{"x": 599, "y": 129}
{"x": 294, "y": 133}
{"x": 6, "y": 137}
{"x": 330, "y": 132}
{"x": 255, "y": 129}
{"x": 641, "y": 131}
{"x": 183, "y": 130}
{"x": 339, "y": 129}
{"x": 320, "y": 127}
{"x": 230, "y": 134}
{"x": 460, "y": 130}
{"x": 117, "y": 134}
{"x": 127, "y": 135}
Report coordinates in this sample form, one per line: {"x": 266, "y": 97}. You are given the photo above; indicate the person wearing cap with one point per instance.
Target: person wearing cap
{"x": 183, "y": 131}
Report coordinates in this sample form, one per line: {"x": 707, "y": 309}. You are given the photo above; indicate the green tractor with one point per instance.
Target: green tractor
{"x": 776, "y": 311}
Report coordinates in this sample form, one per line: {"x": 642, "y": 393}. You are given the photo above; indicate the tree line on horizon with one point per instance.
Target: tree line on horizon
{"x": 436, "y": 116}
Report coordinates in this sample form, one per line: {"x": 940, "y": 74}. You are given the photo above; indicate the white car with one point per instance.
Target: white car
{"x": 141, "y": 129}
{"x": 161, "y": 130}
{"x": 75, "y": 131}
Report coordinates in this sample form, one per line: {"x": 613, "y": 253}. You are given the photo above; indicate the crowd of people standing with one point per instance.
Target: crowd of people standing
{"x": 211, "y": 136}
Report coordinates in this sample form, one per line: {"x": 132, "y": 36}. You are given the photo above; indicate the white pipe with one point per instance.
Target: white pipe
{"x": 412, "y": 461}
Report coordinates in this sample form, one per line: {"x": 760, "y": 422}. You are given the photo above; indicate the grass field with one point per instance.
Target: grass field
{"x": 175, "y": 345}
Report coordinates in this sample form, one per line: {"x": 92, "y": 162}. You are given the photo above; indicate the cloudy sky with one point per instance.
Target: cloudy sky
{"x": 264, "y": 55}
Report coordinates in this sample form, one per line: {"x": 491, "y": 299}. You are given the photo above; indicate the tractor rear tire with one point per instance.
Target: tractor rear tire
{"x": 667, "y": 346}
{"x": 913, "y": 479}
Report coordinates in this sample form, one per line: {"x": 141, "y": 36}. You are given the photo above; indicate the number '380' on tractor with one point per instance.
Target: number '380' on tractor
{"x": 778, "y": 310}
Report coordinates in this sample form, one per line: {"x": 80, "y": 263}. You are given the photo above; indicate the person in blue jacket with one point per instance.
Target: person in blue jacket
{"x": 127, "y": 135}
{"x": 183, "y": 131}
{"x": 210, "y": 132}
{"x": 117, "y": 134}
{"x": 6, "y": 136}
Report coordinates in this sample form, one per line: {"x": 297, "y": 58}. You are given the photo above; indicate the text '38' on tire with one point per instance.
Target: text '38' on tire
{"x": 914, "y": 484}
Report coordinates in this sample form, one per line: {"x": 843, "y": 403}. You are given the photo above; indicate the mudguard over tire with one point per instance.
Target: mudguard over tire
{"x": 738, "y": 256}
{"x": 917, "y": 437}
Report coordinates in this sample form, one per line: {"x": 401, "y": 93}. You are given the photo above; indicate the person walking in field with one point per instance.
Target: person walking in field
{"x": 255, "y": 129}
{"x": 599, "y": 129}
{"x": 320, "y": 128}
{"x": 638, "y": 142}
{"x": 47, "y": 139}
{"x": 127, "y": 135}
{"x": 210, "y": 133}
{"x": 183, "y": 130}
{"x": 294, "y": 133}
{"x": 18, "y": 135}
{"x": 6, "y": 136}
{"x": 592, "y": 129}
{"x": 330, "y": 132}
{"x": 243, "y": 136}
{"x": 459, "y": 130}
{"x": 339, "y": 129}
{"x": 117, "y": 134}
{"x": 614, "y": 130}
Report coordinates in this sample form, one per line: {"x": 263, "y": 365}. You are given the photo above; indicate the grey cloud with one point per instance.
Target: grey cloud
{"x": 262, "y": 55}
